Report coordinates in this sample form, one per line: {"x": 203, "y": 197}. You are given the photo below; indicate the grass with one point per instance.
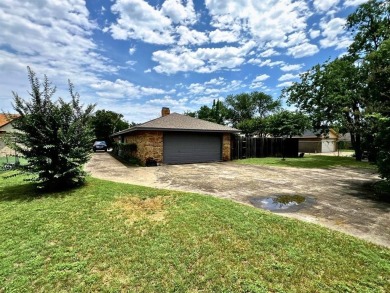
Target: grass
{"x": 115, "y": 237}
{"x": 315, "y": 161}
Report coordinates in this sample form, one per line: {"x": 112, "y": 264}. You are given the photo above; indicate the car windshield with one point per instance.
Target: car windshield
{"x": 100, "y": 143}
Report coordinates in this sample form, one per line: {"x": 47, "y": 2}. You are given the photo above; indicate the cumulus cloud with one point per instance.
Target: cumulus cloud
{"x": 291, "y": 67}
{"x": 219, "y": 36}
{"x": 285, "y": 84}
{"x": 136, "y": 19}
{"x": 191, "y": 37}
{"x": 202, "y": 60}
{"x": 268, "y": 53}
{"x": 123, "y": 89}
{"x": 334, "y": 34}
{"x": 303, "y": 50}
{"x": 349, "y": 3}
{"x": 325, "y": 5}
{"x": 178, "y": 12}
{"x": 288, "y": 76}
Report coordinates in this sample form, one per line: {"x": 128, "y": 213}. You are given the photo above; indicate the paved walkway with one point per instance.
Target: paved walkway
{"x": 342, "y": 196}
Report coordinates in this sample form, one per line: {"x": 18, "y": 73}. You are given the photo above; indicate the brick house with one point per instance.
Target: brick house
{"x": 6, "y": 127}
{"x": 179, "y": 139}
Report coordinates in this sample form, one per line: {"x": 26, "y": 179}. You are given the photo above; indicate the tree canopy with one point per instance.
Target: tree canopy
{"x": 106, "y": 122}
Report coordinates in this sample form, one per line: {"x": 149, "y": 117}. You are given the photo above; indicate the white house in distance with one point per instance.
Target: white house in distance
{"x": 310, "y": 142}
{"x": 6, "y": 126}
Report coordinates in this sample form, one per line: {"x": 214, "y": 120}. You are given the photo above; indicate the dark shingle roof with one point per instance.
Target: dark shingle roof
{"x": 178, "y": 122}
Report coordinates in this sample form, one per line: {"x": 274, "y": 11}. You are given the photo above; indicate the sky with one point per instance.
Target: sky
{"x": 134, "y": 57}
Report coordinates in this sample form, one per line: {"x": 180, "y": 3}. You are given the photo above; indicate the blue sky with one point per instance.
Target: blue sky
{"x": 136, "y": 56}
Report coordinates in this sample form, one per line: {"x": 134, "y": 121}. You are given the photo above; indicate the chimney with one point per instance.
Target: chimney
{"x": 165, "y": 111}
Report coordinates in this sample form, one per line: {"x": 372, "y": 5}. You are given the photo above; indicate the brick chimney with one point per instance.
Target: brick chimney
{"x": 165, "y": 111}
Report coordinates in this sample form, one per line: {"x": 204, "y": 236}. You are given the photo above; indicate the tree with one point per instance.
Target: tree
{"x": 371, "y": 25}
{"x": 54, "y": 137}
{"x": 241, "y": 107}
{"x": 246, "y": 106}
{"x": 106, "y": 122}
{"x": 332, "y": 93}
{"x": 286, "y": 123}
{"x": 217, "y": 113}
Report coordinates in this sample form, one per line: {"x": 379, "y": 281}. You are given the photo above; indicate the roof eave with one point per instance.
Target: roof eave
{"x": 233, "y": 131}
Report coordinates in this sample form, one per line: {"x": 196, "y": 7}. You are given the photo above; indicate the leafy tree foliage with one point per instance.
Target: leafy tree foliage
{"x": 332, "y": 93}
{"x": 54, "y": 137}
{"x": 217, "y": 113}
{"x": 106, "y": 122}
{"x": 287, "y": 124}
{"x": 353, "y": 91}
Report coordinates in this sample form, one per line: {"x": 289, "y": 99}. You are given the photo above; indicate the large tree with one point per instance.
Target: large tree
{"x": 54, "y": 136}
{"x": 245, "y": 107}
{"x": 218, "y": 113}
{"x": 332, "y": 93}
{"x": 106, "y": 122}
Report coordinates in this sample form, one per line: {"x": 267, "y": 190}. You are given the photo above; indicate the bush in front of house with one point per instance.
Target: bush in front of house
{"x": 53, "y": 136}
{"x": 126, "y": 152}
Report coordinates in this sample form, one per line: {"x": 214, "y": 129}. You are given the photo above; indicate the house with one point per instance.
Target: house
{"x": 6, "y": 126}
{"x": 311, "y": 142}
{"x": 179, "y": 139}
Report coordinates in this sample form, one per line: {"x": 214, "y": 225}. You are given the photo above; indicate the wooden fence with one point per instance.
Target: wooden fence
{"x": 260, "y": 147}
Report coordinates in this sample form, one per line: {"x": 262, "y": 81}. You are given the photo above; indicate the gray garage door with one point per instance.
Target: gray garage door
{"x": 182, "y": 148}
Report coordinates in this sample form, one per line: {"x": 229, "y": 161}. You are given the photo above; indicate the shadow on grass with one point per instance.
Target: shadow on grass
{"x": 30, "y": 191}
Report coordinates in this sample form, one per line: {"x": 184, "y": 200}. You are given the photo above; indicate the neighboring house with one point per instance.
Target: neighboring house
{"x": 6, "y": 126}
{"x": 179, "y": 139}
{"x": 310, "y": 142}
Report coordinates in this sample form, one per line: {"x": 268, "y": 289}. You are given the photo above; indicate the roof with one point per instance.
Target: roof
{"x": 179, "y": 122}
{"x": 7, "y": 118}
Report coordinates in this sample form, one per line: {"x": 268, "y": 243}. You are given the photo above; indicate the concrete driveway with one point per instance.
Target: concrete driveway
{"x": 340, "y": 197}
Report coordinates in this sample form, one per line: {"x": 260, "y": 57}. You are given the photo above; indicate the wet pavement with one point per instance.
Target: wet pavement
{"x": 338, "y": 198}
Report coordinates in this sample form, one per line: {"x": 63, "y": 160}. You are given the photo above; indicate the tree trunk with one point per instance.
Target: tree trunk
{"x": 357, "y": 145}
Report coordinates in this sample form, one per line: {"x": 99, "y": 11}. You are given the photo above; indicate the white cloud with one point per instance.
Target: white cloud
{"x": 178, "y": 12}
{"x": 268, "y": 53}
{"x": 285, "y": 84}
{"x": 261, "y": 77}
{"x": 314, "y": 33}
{"x": 192, "y": 37}
{"x": 334, "y": 34}
{"x": 123, "y": 89}
{"x": 291, "y": 67}
{"x": 325, "y": 5}
{"x": 303, "y": 50}
{"x": 288, "y": 76}
{"x": 136, "y": 19}
{"x": 268, "y": 22}
{"x": 132, "y": 50}
{"x": 349, "y": 3}
{"x": 267, "y": 62}
{"x": 219, "y": 36}
{"x": 202, "y": 60}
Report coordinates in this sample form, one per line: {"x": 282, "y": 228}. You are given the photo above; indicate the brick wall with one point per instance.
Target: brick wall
{"x": 226, "y": 140}
{"x": 149, "y": 144}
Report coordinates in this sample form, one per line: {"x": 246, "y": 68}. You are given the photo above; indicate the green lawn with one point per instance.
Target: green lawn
{"x": 313, "y": 161}
{"x": 117, "y": 237}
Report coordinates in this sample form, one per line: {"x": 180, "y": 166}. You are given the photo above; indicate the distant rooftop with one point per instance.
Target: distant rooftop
{"x": 7, "y": 118}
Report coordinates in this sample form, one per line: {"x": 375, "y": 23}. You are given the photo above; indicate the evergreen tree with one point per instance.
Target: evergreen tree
{"x": 54, "y": 136}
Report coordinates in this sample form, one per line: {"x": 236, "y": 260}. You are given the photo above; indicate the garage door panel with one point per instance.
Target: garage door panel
{"x": 181, "y": 148}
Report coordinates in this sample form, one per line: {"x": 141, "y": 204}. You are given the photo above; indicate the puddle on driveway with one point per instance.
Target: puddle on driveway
{"x": 282, "y": 202}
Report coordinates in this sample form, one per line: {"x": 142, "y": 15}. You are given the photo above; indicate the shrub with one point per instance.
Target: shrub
{"x": 54, "y": 137}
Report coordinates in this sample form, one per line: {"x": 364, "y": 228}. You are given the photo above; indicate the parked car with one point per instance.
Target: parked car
{"x": 99, "y": 145}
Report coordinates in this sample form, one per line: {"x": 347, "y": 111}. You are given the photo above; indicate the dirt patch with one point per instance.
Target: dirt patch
{"x": 135, "y": 209}
{"x": 343, "y": 196}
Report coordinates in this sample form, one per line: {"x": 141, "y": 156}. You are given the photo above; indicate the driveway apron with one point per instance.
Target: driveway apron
{"x": 340, "y": 197}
